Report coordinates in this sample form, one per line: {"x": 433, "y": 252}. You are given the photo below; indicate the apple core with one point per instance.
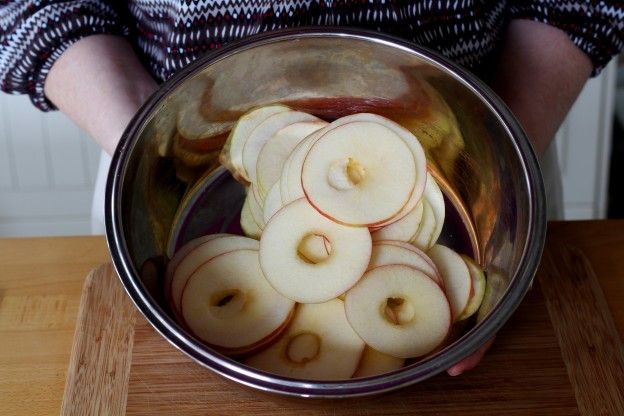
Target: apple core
{"x": 227, "y": 304}
{"x": 303, "y": 347}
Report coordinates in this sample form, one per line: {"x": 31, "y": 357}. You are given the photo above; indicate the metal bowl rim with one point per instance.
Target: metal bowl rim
{"x": 233, "y": 370}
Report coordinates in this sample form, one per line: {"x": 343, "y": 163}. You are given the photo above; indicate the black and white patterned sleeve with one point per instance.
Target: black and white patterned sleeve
{"x": 33, "y": 34}
{"x": 596, "y": 27}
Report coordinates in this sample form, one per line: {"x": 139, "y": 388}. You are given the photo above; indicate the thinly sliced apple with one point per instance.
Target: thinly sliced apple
{"x": 456, "y": 276}
{"x": 319, "y": 344}
{"x": 200, "y": 255}
{"x": 399, "y": 311}
{"x": 347, "y": 169}
{"x": 232, "y": 153}
{"x": 411, "y": 247}
{"x": 248, "y": 223}
{"x": 290, "y": 180}
{"x": 256, "y": 206}
{"x": 272, "y": 202}
{"x": 374, "y": 363}
{"x": 180, "y": 255}
{"x": 384, "y": 254}
{"x": 435, "y": 198}
{"x": 403, "y": 229}
{"x": 423, "y": 236}
{"x": 263, "y": 132}
{"x": 478, "y": 288}
{"x": 228, "y": 303}
{"x": 296, "y": 277}
{"x": 276, "y": 150}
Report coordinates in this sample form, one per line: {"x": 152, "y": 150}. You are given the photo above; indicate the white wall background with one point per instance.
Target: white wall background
{"x": 48, "y": 166}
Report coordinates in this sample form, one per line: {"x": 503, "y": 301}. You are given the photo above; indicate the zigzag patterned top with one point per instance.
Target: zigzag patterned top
{"x": 170, "y": 34}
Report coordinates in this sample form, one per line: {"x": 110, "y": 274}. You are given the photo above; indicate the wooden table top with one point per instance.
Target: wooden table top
{"x": 41, "y": 282}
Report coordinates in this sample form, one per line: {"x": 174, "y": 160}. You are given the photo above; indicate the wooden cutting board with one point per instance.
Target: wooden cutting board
{"x": 560, "y": 354}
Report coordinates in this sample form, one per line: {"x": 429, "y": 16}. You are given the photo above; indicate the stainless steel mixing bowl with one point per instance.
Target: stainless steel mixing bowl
{"x": 164, "y": 189}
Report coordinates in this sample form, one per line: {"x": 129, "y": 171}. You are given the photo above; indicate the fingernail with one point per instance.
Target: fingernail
{"x": 453, "y": 371}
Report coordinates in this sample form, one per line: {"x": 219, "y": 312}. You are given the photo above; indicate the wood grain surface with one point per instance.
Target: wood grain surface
{"x": 41, "y": 281}
{"x": 522, "y": 374}
{"x": 590, "y": 343}
{"x": 99, "y": 368}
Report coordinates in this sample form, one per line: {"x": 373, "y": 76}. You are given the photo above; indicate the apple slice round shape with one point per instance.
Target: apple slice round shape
{"x": 456, "y": 276}
{"x": 272, "y": 202}
{"x": 347, "y": 169}
{"x": 294, "y": 190}
{"x": 435, "y": 198}
{"x": 319, "y": 344}
{"x": 248, "y": 223}
{"x": 384, "y": 254}
{"x": 296, "y": 277}
{"x": 478, "y": 288}
{"x": 263, "y": 132}
{"x": 228, "y": 303}
{"x": 399, "y": 311}
{"x": 276, "y": 150}
{"x": 200, "y": 255}
{"x": 403, "y": 229}
{"x": 374, "y": 363}
{"x": 423, "y": 236}
{"x": 180, "y": 255}
{"x": 232, "y": 154}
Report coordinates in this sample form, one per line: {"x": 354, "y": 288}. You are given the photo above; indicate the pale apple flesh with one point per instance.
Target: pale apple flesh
{"x": 456, "y": 276}
{"x": 261, "y": 134}
{"x": 319, "y": 344}
{"x": 272, "y": 202}
{"x": 247, "y": 222}
{"x": 374, "y": 363}
{"x": 435, "y": 198}
{"x": 232, "y": 154}
{"x": 478, "y": 288}
{"x": 399, "y": 311}
{"x": 424, "y": 234}
{"x": 402, "y": 229}
{"x": 347, "y": 169}
{"x": 199, "y": 255}
{"x": 276, "y": 150}
{"x": 384, "y": 254}
{"x": 228, "y": 303}
{"x": 296, "y": 277}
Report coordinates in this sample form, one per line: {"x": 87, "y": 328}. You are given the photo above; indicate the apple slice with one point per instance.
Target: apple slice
{"x": 424, "y": 235}
{"x": 347, "y": 169}
{"x": 435, "y": 198}
{"x": 276, "y": 150}
{"x": 228, "y": 303}
{"x": 456, "y": 276}
{"x": 232, "y": 153}
{"x": 403, "y": 229}
{"x": 272, "y": 202}
{"x": 248, "y": 223}
{"x": 263, "y": 132}
{"x": 293, "y": 173}
{"x": 180, "y": 255}
{"x": 256, "y": 206}
{"x": 478, "y": 288}
{"x": 411, "y": 248}
{"x": 399, "y": 311}
{"x": 290, "y": 180}
{"x": 384, "y": 254}
{"x": 319, "y": 344}
{"x": 200, "y": 255}
{"x": 374, "y": 363}
{"x": 296, "y": 277}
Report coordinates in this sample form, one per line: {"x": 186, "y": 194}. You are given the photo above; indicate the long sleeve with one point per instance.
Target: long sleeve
{"x": 596, "y": 27}
{"x": 33, "y": 34}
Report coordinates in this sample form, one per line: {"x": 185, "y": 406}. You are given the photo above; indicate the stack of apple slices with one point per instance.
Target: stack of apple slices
{"x": 348, "y": 219}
